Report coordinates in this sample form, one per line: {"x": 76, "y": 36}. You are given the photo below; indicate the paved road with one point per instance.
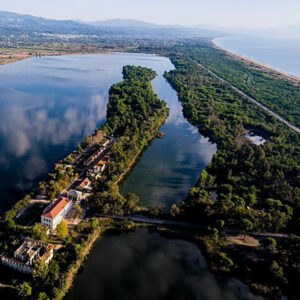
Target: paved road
{"x": 288, "y": 124}
{"x": 157, "y": 221}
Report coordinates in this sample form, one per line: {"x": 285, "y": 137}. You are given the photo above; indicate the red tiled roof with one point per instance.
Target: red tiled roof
{"x": 84, "y": 182}
{"x": 55, "y": 208}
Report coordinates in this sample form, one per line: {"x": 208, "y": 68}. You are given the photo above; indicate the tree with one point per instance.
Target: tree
{"x": 39, "y": 231}
{"x": 94, "y": 223}
{"x": 24, "y": 289}
{"x": 62, "y": 229}
{"x": 77, "y": 211}
{"x": 246, "y": 225}
{"x": 53, "y": 272}
{"x": 9, "y": 224}
{"x": 40, "y": 269}
{"x": 220, "y": 226}
{"x": 42, "y": 296}
{"x": 127, "y": 225}
{"x": 251, "y": 199}
{"x": 132, "y": 199}
{"x": 214, "y": 234}
{"x": 224, "y": 260}
{"x": 268, "y": 243}
{"x": 56, "y": 293}
{"x": 106, "y": 208}
{"x": 238, "y": 201}
{"x": 277, "y": 271}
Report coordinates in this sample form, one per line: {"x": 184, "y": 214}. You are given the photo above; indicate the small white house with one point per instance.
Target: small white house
{"x": 55, "y": 212}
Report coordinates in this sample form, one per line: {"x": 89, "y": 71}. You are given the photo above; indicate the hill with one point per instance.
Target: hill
{"x": 14, "y": 27}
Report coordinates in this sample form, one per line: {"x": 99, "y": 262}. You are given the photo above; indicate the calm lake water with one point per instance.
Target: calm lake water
{"x": 147, "y": 266}
{"x": 171, "y": 165}
{"x": 49, "y": 104}
{"x": 281, "y": 54}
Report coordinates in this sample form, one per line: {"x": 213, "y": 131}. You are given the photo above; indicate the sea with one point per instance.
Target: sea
{"x": 280, "y": 54}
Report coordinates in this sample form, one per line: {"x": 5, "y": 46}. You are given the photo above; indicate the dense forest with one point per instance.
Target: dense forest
{"x": 134, "y": 115}
{"x": 278, "y": 94}
{"x": 247, "y": 186}
{"x": 260, "y": 183}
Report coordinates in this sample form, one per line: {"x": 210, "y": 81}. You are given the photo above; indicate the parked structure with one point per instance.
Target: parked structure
{"x": 27, "y": 253}
{"x": 55, "y": 212}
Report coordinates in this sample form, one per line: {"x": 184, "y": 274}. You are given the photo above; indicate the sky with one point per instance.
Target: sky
{"x": 221, "y": 13}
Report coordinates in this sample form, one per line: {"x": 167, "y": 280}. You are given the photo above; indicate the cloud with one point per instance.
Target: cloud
{"x": 141, "y": 265}
{"x": 33, "y": 130}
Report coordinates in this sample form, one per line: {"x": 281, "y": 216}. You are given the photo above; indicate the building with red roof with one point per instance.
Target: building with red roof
{"x": 55, "y": 212}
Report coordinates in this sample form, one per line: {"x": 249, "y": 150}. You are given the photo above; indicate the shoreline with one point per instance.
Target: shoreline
{"x": 71, "y": 273}
{"x": 22, "y": 55}
{"x": 253, "y": 63}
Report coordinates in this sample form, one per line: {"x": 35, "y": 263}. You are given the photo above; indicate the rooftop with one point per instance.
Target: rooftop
{"x": 55, "y": 208}
{"x": 85, "y": 182}
{"x": 30, "y": 247}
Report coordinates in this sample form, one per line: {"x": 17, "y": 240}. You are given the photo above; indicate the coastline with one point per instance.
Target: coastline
{"x": 253, "y": 63}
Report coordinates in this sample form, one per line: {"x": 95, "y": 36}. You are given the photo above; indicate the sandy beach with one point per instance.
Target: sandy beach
{"x": 258, "y": 65}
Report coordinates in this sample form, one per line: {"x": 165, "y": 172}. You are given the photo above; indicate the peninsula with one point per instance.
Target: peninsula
{"x": 46, "y": 236}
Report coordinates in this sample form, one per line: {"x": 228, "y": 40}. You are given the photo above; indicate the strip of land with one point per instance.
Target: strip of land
{"x": 9, "y": 55}
{"x": 288, "y": 124}
{"x": 49, "y": 242}
{"x": 248, "y": 187}
{"x": 259, "y": 65}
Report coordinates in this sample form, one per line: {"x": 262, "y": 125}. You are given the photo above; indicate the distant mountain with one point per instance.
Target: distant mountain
{"x": 27, "y": 23}
{"x": 123, "y": 23}
{"x": 139, "y": 26}
{"x": 14, "y": 26}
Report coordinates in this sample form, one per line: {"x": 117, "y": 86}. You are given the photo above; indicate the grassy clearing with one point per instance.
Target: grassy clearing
{"x": 240, "y": 240}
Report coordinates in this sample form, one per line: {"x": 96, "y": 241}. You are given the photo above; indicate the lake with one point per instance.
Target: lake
{"x": 49, "y": 104}
{"x": 145, "y": 266}
{"x": 281, "y": 54}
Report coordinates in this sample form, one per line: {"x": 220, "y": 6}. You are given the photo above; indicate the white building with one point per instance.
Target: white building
{"x": 27, "y": 253}
{"x": 55, "y": 212}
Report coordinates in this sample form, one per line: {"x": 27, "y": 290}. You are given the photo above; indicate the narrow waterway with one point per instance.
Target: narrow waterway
{"x": 170, "y": 166}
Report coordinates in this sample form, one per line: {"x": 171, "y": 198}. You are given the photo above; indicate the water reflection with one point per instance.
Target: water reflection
{"x": 35, "y": 128}
{"x": 143, "y": 266}
{"x": 48, "y": 105}
{"x": 168, "y": 168}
